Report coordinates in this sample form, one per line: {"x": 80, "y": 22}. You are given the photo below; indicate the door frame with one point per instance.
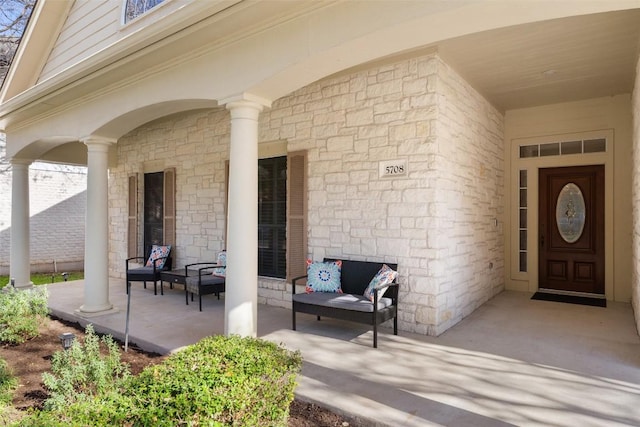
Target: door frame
{"x": 528, "y": 281}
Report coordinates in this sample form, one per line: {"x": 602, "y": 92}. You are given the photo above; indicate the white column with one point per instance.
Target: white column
{"x": 20, "y": 258}
{"x": 241, "y": 292}
{"x": 96, "y": 247}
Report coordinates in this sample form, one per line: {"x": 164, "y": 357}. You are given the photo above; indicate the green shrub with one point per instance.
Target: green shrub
{"x": 21, "y": 313}
{"x": 224, "y": 381}
{"x": 216, "y": 382}
{"x": 82, "y": 372}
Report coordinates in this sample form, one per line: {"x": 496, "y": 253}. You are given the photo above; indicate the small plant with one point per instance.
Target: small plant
{"x": 21, "y": 313}
{"x": 8, "y": 383}
{"x": 82, "y": 371}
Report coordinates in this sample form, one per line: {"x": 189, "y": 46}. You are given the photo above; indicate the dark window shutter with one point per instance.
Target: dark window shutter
{"x": 132, "y": 220}
{"x": 297, "y": 214}
{"x": 169, "y": 196}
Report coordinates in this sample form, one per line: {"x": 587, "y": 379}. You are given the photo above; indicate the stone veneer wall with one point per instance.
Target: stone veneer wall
{"x": 436, "y": 222}
{"x": 57, "y": 209}
{"x": 467, "y": 218}
{"x": 635, "y": 200}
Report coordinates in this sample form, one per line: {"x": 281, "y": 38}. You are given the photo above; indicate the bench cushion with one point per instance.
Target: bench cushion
{"x": 208, "y": 285}
{"x": 141, "y": 273}
{"x": 342, "y": 301}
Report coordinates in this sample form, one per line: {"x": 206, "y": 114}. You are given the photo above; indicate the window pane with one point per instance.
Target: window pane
{"x": 523, "y": 197}
{"x": 595, "y": 145}
{"x": 523, "y": 262}
{"x": 523, "y": 240}
{"x": 523, "y": 178}
{"x": 523, "y": 218}
{"x": 528, "y": 151}
{"x": 552, "y": 149}
{"x": 135, "y": 8}
{"x": 572, "y": 147}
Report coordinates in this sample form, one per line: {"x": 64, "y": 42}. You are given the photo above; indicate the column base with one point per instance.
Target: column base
{"x": 88, "y": 312}
{"x": 18, "y": 288}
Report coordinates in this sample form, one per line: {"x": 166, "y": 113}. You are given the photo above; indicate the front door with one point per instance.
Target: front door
{"x": 571, "y": 240}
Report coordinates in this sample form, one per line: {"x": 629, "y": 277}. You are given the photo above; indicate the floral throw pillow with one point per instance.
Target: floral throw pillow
{"x": 222, "y": 262}
{"x": 158, "y": 251}
{"x": 384, "y": 276}
{"x": 323, "y": 276}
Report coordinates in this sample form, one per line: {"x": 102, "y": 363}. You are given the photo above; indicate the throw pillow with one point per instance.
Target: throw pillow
{"x": 158, "y": 251}
{"x": 384, "y": 276}
{"x": 323, "y": 276}
{"x": 222, "y": 262}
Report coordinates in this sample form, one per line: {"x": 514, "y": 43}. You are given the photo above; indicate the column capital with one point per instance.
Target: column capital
{"x": 247, "y": 100}
{"x": 95, "y": 140}
{"x": 22, "y": 162}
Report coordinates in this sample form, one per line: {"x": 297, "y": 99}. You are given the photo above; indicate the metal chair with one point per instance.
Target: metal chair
{"x": 159, "y": 260}
{"x": 209, "y": 280}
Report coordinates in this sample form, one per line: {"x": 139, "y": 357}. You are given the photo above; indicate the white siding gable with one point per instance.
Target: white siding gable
{"x": 91, "y": 26}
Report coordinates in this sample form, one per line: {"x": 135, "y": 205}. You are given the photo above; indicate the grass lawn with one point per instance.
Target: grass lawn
{"x": 44, "y": 278}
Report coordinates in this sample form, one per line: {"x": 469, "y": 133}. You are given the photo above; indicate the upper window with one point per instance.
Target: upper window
{"x": 598, "y": 145}
{"x": 135, "y": 8}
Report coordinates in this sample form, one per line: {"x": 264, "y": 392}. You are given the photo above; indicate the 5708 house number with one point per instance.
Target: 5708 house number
{"x": 392, "y": 168}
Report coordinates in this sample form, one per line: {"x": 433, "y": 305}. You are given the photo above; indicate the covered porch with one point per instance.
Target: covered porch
{"x": 513, "y": 361}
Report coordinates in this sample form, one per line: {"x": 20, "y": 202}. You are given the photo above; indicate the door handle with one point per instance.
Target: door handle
{"x": 541, "y": 240}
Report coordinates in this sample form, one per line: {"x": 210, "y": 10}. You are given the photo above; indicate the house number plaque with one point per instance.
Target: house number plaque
{"x": 392, "y": 168}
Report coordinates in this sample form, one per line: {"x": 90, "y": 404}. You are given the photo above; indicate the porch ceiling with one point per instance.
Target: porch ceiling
{"x": 549, "y": 62}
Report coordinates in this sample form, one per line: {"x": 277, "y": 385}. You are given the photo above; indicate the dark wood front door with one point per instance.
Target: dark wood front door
{"x": 571, "y": 240}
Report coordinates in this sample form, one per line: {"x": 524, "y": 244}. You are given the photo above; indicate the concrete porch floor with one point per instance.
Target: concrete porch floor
{"x": 513, "y": 361}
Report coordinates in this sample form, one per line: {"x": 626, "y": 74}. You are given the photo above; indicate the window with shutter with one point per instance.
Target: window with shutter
{"x": 282, "y": 245}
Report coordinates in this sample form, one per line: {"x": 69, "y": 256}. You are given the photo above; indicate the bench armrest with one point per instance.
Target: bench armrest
{"x": 293, "y": 283}
{"x": 155, "y": 267}
{"x": 394, "y": 297}
{"x": 209, "y": 264}
{"x": 131, "y": 259}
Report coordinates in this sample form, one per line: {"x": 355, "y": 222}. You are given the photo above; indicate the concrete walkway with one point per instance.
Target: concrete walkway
{"x": 514, "y": 361}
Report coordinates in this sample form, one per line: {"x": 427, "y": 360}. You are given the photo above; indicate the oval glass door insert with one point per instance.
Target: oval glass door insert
{"x": 570, "y": 213}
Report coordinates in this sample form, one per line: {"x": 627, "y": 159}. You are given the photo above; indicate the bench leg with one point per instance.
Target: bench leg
{"x": 186, "y": 294}
{"x": 200, "y": 298}
{"x": 293, "y": 319}
{"x": 375, "y": 334}
{"x": 318, "y": 318}
{"x": 395, "y": 325}
{"x": 161, "y": 288}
